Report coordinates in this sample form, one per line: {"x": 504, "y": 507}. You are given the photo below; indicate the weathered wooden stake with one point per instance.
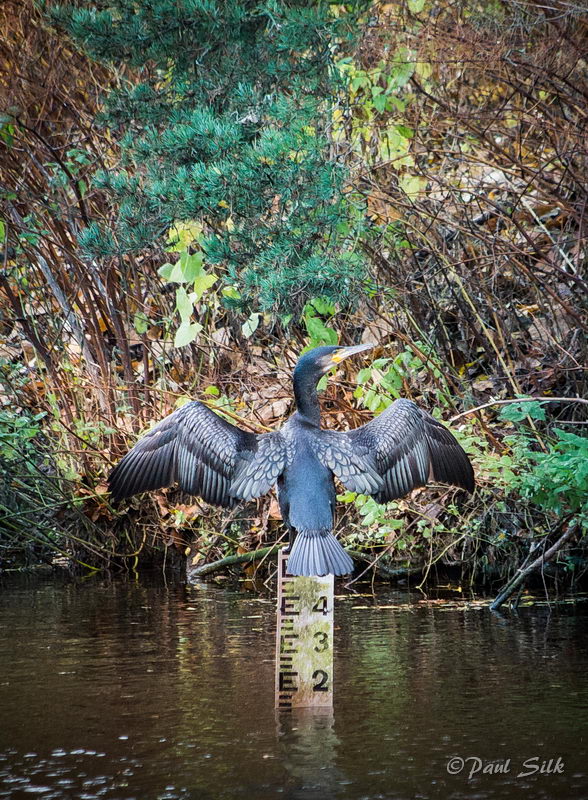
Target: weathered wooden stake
{"x": 304, "y": 639}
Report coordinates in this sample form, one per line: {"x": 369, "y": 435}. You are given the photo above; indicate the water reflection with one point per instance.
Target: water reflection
{"x": 145, "y": 692}
{"x": 308, "y": 751}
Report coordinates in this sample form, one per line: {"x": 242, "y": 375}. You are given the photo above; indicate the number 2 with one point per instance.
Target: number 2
{"x": 322, "y": 677}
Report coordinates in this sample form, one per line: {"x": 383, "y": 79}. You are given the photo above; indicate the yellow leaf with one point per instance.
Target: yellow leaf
{"x": 412, "y": 185}
{"x": 182, "y": 234}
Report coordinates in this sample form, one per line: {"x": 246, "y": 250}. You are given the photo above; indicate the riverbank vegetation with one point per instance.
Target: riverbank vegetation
{"x": 191, "y": 193}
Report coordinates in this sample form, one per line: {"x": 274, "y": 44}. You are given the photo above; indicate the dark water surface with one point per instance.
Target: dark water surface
{"x": 136, "y": 690}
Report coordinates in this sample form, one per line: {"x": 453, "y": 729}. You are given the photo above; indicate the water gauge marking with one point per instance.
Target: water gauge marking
{"x": 304, "y": 640}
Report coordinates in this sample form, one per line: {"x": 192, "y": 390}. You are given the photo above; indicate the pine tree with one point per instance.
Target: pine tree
{"x": 228, "y": 125}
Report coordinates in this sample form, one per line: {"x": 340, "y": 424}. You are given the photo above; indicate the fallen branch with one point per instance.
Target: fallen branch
{"x": 382, "y": 569}
{"x": 229, "y": 561}
{"x": 257, "y": 555}
{"x": 515, "y": 582}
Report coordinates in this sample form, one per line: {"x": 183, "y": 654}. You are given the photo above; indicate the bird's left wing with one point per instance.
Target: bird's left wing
{"x": 402, "y": 448}
{"x": 205, "y": 454}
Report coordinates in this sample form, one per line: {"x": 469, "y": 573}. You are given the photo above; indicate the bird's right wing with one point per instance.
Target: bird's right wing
{"x": 402, "y": 448}
{"x": 205, "y": 454}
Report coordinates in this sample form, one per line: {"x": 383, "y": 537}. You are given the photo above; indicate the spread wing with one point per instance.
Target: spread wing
{"x": 402, "y": 448}
{"x": 205, "y": 454}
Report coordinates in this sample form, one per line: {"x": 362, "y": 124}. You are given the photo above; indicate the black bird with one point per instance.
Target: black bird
{"x": 402, "y": 448}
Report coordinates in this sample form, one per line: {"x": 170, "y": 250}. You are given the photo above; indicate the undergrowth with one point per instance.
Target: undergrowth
{"x": 457, "y": 168}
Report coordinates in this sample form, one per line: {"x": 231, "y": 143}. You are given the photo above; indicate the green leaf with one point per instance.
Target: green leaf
{"x": 403, "y": 69}
{"x": 188, "y": 269}
{"x": 171, "y": 272}
{"x": 184, "y": 304}
{"x": 323, "y": 306}
{"x": 318, "y": 331}
{"x": 375, "y": 404}
{"x": 231, "y": 292}
{"x": 517, "y": 412}
{"x": 191, "y": 265}
{"x": 202, "y": 283}
{"x": 405, "y": 131}
{"x": 250, "y": 326}
{"x": 186, "y": 333}
{"x": 380, "y": 102}
{"x": 412, "y": 185}
{"x": 416, "y": 6}
{"x": 140, "y": 322}
{"x": 347, "y": 497}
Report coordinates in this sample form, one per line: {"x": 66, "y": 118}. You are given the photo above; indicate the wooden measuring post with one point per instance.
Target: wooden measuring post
{"x": 304, "y": 639}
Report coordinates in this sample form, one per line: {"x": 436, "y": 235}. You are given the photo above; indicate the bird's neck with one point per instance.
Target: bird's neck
{"x": 307, "y": 402}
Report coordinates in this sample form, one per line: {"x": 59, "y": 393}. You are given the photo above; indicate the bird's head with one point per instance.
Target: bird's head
{"x": 319, "y": 361}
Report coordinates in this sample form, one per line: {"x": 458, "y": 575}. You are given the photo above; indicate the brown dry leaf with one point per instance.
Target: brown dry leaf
{"x": 190, "y": 511}
{"x": 221, "y": 336}
{"x": 162, "y": 504}
{"x": 275, "y": 410}
{"x": 433, "y": 511}
{"x": 274, "y": 509}
{"x": 483, "y": 385}
{"x": 381, "y": 209}
{"x": 175, "y": 539}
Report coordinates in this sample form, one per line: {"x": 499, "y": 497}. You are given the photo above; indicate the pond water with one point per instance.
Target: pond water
{"x": 123, "y": 690}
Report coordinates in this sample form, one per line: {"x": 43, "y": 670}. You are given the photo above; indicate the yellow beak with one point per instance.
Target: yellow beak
{"x": 345, "y": 352}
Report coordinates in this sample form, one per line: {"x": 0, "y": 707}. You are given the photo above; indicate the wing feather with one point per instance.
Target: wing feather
{"x": 397, "y": 451}
{"x": 205, "y": 454}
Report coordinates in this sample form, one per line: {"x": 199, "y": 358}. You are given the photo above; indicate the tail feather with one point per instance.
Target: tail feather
{"x": 318, "y": 553}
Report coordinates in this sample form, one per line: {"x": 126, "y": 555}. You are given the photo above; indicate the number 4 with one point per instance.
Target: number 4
{"x": 321, "y": 606}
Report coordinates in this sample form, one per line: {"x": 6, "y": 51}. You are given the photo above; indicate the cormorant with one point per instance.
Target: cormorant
{"x": 402, "y": 448}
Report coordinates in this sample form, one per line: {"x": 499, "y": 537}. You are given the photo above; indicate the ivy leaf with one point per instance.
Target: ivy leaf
{"x": 416, "y": 6}
{"x": 517, "y": 412}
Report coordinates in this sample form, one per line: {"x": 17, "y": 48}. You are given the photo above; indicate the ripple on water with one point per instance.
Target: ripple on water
{"x": 138, "y": 691}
